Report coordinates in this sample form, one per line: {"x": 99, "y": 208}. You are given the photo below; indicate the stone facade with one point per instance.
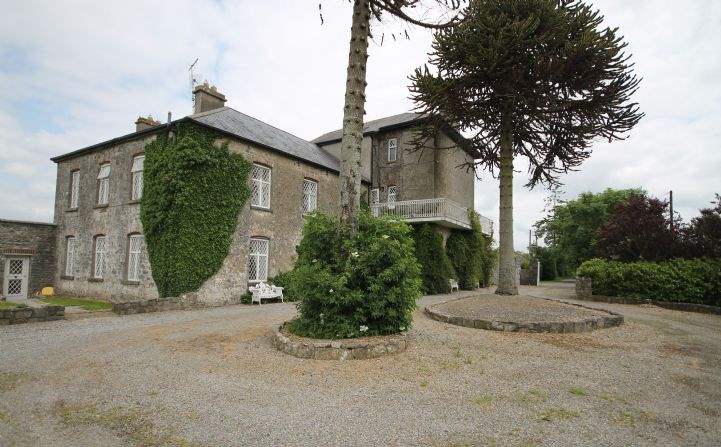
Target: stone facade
{"x": 32, "y": 240}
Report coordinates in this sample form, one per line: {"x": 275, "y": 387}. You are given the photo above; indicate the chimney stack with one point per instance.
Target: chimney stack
{"x": 207, "y": 97}
{"x": 145, "y": 123}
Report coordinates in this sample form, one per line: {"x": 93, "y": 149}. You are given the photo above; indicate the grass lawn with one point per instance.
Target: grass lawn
{"x": 87, "y": 304}
{"x": 6, "y": 305}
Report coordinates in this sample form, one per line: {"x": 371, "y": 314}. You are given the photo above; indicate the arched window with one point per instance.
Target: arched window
{"x": 104, "y": 184}
{"x": 137, "y": 171}
{"x": 310, "y": 195}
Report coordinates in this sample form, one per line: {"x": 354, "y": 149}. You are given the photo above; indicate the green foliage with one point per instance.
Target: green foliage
{"x": 246, "y": 298}
{"x": 571, "y": 228}
{"x": 86, "y": 304}
{"x": 471, "y": 255}
{"x": 192, "y": 195}
{"x": 682, "y": 280}
{"x": 352, "y": 286}
{"x": 285, "y": 280}
{"x": 436, "y": 268}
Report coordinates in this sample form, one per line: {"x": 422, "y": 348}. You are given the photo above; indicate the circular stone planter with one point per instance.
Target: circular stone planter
{"x": 343, "y": 349}
{"x": 522, "y": 314}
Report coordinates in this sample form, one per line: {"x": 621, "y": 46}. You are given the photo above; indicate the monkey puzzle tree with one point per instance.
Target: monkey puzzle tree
{"x": 533, "y": 78}
{"x": 354, "y": 107}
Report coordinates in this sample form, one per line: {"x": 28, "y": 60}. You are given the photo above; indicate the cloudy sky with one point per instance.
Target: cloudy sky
{"x": 74, "y": 73}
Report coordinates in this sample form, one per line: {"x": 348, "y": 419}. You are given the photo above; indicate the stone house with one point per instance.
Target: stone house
{"x": 97, "y": 240}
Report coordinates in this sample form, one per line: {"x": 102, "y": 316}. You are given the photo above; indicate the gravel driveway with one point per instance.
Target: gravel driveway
{"x": 210, "y": 377}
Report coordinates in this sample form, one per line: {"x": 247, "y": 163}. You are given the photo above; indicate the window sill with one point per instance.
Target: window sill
{"x": 69, "y": 278}
{"x": 95, "y": 279}
{"x": 134, "y": 202}
{"x": 71, "y": 210}
{"x": 260, "y": 208}
{"x": 257, "y": 281}
{"x": 130, "y": 283}
{"x": 100, "y": 207}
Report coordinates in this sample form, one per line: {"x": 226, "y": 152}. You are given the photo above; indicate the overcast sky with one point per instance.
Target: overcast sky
{"x": 75, "y": 73}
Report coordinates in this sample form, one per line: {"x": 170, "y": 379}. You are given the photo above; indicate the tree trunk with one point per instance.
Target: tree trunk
{"x": 506, "y": 254}
{"x": 353, "y": 111}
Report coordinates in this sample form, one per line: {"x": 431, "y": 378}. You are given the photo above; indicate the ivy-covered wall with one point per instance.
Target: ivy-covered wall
{"x": 436, "y": 268}
{"x": 193, "y": 192}
{"x": 471, "y": 254}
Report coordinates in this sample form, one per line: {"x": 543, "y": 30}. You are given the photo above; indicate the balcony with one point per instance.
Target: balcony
{"x": 441, "y": 211}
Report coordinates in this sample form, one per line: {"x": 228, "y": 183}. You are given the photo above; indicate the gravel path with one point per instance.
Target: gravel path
{"x": 210, "y": 377}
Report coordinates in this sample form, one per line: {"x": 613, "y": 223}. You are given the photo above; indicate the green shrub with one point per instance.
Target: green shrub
{"x": 681, "y": 280}
{"x": 285, "y": 280}
{"x": 470, "y": 255}
{"x": 193, "y": 193}
{"x": 354, "y": 286}
{"x": 436, "y": 268}
{"x": 246, "y": 298}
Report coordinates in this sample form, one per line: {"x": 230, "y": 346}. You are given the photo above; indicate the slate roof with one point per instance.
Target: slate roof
{"x": 372, "y": 126}
{"x": 248, "y": 128}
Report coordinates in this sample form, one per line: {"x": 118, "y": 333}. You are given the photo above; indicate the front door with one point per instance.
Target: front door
{"x": 15, "y": 285}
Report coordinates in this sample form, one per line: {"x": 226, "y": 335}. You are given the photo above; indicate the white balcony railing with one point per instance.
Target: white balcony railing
{"x": 440, "y": 210}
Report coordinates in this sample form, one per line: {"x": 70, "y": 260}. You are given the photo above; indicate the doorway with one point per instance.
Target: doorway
{"x": 15, "y": 283}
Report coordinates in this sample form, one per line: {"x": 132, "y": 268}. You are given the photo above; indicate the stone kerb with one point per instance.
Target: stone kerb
{"x": 31, "y": 315}
{"x": 345, "y": 349}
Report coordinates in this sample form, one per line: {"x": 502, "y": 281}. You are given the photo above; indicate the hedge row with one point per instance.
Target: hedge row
{"x": 679, "y": 280}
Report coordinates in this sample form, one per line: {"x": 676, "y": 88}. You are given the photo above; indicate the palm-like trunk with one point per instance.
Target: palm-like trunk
{"x": 506, "y": 257}
{"x": 353, "y": 111}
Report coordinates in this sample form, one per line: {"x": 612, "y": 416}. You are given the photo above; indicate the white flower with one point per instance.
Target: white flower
{"x": 402, "y": 328}
{"x": 331, "y": 291}
{"x": 385, "y": 236}
{"x": 363, "y": 328}
{"x": 354, "y": 254}
{"x": 315, "y": 260}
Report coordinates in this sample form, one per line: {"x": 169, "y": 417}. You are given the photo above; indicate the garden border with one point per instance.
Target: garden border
{"x": 343, "y": 349}
{"x": 22, "y": 315}
{"x": 576, "y": 326}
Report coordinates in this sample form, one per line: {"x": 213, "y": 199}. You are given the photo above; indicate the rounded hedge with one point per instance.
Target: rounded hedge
{"x": 354, "y": 286}
{"x": 193, "y": 192}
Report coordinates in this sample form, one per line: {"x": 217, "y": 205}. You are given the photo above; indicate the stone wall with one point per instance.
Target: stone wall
{"x": 281, "y": 224}
{"x": 34, "y": 240}
{"x": 117, "y": 220}
{"x": 31, "y": 315}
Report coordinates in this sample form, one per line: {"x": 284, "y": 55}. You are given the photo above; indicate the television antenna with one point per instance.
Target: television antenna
{"x": 192, "y": 80}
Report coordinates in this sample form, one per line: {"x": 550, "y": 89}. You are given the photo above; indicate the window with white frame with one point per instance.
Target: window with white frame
{"x": 74, "y": 189}
{"x": 99, "y": 257}
{"x": 375, "y": 196}
{"x": 137, "y": 170}
{"x": 392, "y": 150}
{"x": 391, "y": 195}
{"x": 260, "y": 186}
{"x": 104, "y": 184}
{"x": 135, "y": 244}
{"x": 310, "y": 195}
{"x": 70, "y": 256}
{"x": 258, "y": 259}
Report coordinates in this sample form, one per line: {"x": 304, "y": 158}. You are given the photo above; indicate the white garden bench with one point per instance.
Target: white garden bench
{"x": 454, "y": 284}
{"x": 265, "y": 291}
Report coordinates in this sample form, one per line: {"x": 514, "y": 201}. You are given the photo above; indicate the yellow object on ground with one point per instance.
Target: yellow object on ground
{"x": 47, "y": 291}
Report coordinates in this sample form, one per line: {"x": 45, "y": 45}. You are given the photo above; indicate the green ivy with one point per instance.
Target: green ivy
{"x": 193, "y": 192}
{"x": 436, "y": 268}
{"x": 470, "y": 254}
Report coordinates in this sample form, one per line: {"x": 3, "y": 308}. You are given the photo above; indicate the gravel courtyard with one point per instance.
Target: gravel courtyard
{"x": 211, "y": 378}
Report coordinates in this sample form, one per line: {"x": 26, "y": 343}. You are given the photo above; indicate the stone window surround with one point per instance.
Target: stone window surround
{"x": 132, "y": 177}
{"x": 74, "y": 185}
{"x": 93, "y": 276}
{"x": 267, "y": 259}
{"x": 394, "y": 148}
{"x": 68, "y": 238}
{"x": 98, "y": 182}
{"x": 315, "y": 207}
{"x": 270, "y": 186}
{"x": 127, "y": 279}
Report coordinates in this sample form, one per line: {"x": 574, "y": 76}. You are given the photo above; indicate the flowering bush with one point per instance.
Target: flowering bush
{"x": 355, "y": 286}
